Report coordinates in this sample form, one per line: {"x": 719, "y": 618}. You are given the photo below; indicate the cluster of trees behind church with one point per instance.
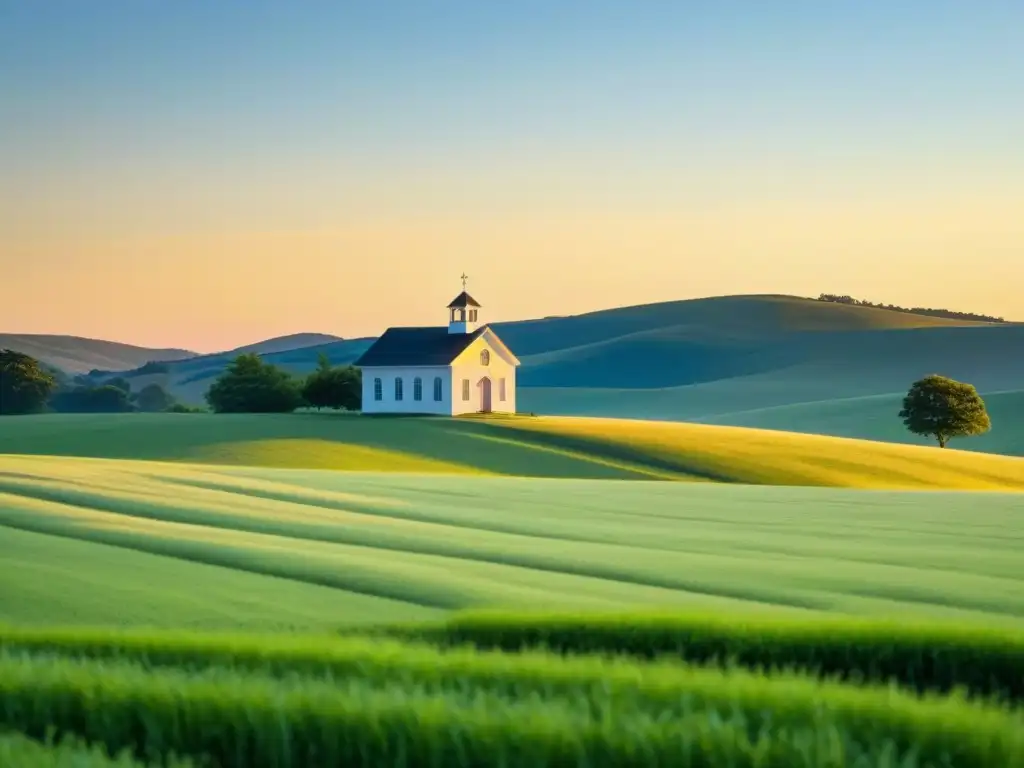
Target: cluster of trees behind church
{"x": 251, "y": 385}
{"x": 248, "y": 385}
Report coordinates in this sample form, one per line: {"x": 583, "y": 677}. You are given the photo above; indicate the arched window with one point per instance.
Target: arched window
{"x": 417, "y": 389}
{"x": 485, "y": 357}
{"x": 398, "y": 388}
{"x": 378, "y": 389}
{"x": 438, "y": 389}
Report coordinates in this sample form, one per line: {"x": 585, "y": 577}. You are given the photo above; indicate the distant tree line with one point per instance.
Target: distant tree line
{"x": 152, "y": 367}
{"x": 947, "y": 313}
{"x": 248, "y": 385}
{"x": 28, "y": 386}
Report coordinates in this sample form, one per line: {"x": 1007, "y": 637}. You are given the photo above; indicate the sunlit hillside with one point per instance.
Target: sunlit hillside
{"x": 517, "y": 446}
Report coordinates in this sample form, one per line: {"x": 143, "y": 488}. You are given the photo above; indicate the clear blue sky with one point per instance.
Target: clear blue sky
{"x": 161, "y": 153}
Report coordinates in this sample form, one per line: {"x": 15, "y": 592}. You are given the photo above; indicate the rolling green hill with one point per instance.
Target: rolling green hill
{"x": 77, "y": 355}
{"x": 286, "y": 343}
{"x": 753, "y": 316}
{"x": 522, "y": 446}
{"x": 685, "y": 343}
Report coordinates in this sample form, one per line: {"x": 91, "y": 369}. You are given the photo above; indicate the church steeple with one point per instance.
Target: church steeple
{"x": 462, "y": 312}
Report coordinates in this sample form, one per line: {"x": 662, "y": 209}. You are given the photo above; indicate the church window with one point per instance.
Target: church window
{"x": 501, "y": 390}
{"x": 485, "y": 357}
{"x": 465, "y": 389}
{"x": 378, "y": 389}
{"x": 472, "y": 315}
{"x": 438, "y": 392}
{"x": 398, "y": 388}
{"x": 417, "y": 388}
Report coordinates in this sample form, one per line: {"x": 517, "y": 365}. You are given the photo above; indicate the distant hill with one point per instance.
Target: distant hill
{"x": 736, "y": 317}
{"x": 74, "y": 354}
{"x": 188, "y": 379}
{"x": 286, "y": 343}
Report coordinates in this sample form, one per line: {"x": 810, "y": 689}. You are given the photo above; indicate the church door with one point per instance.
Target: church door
{"x": 485, "y": 395}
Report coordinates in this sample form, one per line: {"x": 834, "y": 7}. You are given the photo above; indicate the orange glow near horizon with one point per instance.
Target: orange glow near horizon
{"x": 208, "y": 291}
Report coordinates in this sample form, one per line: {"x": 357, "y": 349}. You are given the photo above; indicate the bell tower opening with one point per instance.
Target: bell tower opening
{"x": 463, "y": 312}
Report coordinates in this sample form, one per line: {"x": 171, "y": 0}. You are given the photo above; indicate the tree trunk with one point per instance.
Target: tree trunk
{"x": 942, "y": 441}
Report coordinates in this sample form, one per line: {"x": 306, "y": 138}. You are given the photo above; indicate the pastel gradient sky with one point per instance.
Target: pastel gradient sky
{"x": 207, "y": 173}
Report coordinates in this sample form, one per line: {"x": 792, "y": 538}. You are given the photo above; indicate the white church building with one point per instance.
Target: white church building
{"x": 464, "y": 368}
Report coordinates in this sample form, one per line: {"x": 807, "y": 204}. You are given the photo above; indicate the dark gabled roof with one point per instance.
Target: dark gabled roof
{"x": 463, "y": 300}
{"x": 417, "y": 346}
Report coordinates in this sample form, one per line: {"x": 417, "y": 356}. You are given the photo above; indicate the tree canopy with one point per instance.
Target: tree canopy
{"x": 121, "y": 383}
{"x": 101, "y": 399}
{"x": 943, "y": 408}
{"x": 153, "y": 398}
{"x": 328, "y": 387}
{"x": 249, "y": 385}
{"x": 25, "y": 386}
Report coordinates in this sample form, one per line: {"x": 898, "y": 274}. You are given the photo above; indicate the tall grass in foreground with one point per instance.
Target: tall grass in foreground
{"x": 355, "y": 708}
{"x": 985, "y": 661}
{"x": 17, "y": 751}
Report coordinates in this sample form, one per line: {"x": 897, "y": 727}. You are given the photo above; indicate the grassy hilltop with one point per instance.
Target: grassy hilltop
{"x": 559, "y": 447}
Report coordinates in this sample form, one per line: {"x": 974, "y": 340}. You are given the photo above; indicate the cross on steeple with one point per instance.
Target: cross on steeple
{"x": 464, "y": 277}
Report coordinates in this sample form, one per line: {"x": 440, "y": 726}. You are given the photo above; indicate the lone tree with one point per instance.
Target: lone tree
{"x": 328, "y": 387}
{"x": 944, "y": 408}
{"x": 251, "y": 386}
{"x": 25, "y": 386}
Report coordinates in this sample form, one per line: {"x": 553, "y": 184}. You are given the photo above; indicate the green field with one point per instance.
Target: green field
{"x": 100, "y": 541}
{"x": 205, "y": 586}
{"x": 252, "y": 701}
{"x": 17, "y": 751}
